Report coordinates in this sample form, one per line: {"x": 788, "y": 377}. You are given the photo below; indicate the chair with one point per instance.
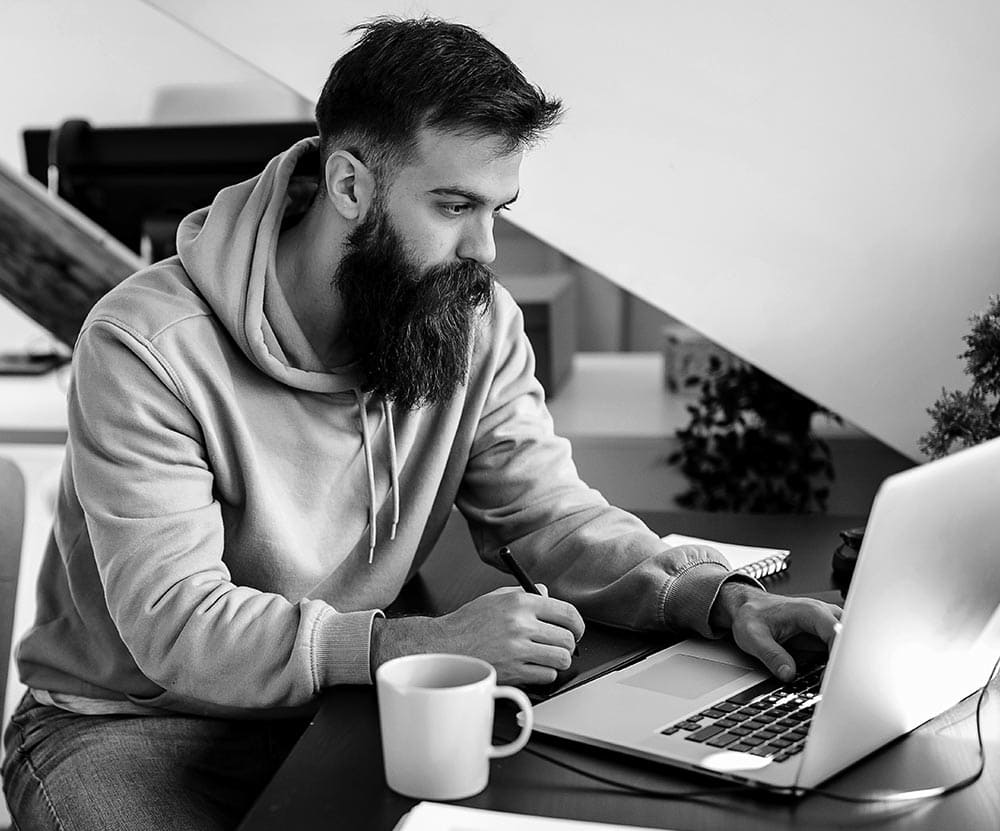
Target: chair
{"x": 11, "y": 535}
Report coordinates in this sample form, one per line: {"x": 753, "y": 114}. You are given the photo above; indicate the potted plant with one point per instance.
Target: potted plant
{"x": 750, "y": 445}
{"x": 962, "y": 419}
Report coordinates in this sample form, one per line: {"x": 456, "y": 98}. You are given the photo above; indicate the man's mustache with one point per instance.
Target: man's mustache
{"x": 465, "y": 284}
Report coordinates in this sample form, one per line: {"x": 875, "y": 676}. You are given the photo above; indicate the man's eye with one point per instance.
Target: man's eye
{"x": 455, "y": 209}
{"x": 497, "y": 211}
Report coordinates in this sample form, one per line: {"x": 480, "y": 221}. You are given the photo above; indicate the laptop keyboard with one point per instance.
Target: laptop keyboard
{"x": 768, "y": 719}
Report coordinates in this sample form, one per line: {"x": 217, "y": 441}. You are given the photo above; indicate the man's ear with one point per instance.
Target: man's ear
{"x": 350, "y": 185}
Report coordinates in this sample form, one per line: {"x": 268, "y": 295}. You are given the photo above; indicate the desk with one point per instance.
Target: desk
{"x": 334, "y": 776}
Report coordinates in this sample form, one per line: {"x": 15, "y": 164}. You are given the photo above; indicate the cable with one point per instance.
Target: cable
{"x": 628, "y": 786}
{"x": 925, "y": 793}
{"x": 876, "y": 797}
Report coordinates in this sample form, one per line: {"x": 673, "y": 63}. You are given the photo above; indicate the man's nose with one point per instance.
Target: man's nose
{"x": 478, "y": 244}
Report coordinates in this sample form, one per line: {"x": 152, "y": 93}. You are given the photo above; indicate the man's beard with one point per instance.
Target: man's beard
{"x": 412, "y": 328}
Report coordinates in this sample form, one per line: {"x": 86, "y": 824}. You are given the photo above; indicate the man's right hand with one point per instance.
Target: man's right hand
{"x": 526, "y": 637}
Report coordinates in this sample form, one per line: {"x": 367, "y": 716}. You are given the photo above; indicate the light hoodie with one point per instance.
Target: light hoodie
{"x": 212, "y": 550}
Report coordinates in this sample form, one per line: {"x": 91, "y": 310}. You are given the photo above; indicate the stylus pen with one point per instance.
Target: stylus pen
{"x": 522, "y": 577}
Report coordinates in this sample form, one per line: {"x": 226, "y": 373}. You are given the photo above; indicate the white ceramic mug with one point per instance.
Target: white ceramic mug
{"x": 436, "y": 715}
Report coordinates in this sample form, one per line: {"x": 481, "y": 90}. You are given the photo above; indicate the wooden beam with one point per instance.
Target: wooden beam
{"x": 55, "y": 263}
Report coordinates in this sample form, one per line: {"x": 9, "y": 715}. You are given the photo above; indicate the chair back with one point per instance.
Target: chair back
{"x": 11, "y": 536}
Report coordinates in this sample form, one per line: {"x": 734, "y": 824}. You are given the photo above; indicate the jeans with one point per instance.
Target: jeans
{"x": 121, "y": 773}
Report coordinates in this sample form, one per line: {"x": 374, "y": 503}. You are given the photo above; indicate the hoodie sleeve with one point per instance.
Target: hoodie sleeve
{"x": 522, "y": 489}
{"x": 146, "y": 488}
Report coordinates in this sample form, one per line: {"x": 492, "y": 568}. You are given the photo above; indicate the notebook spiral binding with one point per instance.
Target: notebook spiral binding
{"x": 766, "y": 567}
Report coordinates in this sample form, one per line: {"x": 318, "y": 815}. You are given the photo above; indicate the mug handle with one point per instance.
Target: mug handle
{"x": 498, "y": 751}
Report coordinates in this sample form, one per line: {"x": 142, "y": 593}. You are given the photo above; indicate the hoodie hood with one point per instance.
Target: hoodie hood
{"x": 228, "y": 250}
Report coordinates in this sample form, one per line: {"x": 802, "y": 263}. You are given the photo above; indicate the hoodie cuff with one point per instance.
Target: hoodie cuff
{"x": 341, "y": 648}
{"x": 691, "y": 594}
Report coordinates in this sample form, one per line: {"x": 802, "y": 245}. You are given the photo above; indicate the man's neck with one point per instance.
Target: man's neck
{"x": 306, "y": 260}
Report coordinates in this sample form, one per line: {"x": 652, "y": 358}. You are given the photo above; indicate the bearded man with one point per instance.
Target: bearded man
{"x": 267, "y": 434}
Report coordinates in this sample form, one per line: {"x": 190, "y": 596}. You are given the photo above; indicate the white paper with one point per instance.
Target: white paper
{"x": 738, "y": 555}
{"x": 434, "y": 816}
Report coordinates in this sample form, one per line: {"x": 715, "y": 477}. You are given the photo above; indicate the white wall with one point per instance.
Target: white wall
{"x": 100, "y": 59}
{"x": 103, "y": 60}
{"x": 812, "y": 185}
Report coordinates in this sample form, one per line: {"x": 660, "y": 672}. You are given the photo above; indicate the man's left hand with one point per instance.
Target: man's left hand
{"x": 762, "y": 622}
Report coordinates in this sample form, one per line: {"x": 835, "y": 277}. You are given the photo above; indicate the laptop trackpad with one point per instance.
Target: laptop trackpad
{"x": 686, "y": 676}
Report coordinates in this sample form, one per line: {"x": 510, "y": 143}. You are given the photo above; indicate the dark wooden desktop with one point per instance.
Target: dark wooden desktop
{"x": 334, "y": 776}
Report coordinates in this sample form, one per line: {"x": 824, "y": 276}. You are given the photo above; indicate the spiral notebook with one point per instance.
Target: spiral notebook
{"x": 746, "y": 559}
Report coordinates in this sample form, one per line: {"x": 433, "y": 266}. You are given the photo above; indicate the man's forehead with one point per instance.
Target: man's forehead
{"x": 464, "y": 163}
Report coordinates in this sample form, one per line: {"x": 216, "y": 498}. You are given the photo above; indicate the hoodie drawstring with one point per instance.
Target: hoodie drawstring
{"x": 366, "y": 439}
{"x": 370, "y": 469}
{"x": 393, "y": 468}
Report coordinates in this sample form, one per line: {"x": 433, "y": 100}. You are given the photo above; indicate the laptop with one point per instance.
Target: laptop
{"x": 921, "y": 631}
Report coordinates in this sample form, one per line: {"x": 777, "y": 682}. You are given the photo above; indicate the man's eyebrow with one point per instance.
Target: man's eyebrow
{"x": 470, "y": 196}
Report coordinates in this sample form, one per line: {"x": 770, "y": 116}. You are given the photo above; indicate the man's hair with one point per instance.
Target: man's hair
{"x": 404, "y": 75}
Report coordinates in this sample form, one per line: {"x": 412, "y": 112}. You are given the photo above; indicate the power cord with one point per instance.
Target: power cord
{"x": 932, "y": 792}
{"x": 874, "y": 798}
{"x": 628, "y": 786}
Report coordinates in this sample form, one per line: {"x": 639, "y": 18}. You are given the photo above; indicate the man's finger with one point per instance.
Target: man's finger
{"x": 546, "y": 655}
{"x": 534, "y": 674}
{"x": 762, "y": 645}
{"x": 549, "y": 633}
{"x": 803, "y": 616}
{"x": 562, "y": 614}
{"x": 820, "y": 621}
